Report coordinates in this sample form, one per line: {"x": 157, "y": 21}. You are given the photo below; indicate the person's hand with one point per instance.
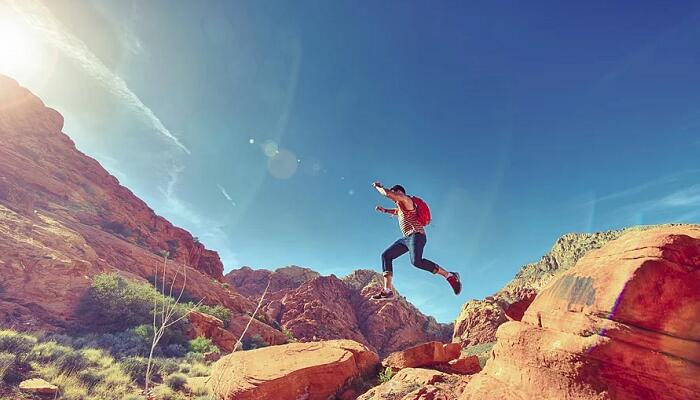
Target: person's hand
{"x": 377, "y": 184}
{"x": 380, "y": 209}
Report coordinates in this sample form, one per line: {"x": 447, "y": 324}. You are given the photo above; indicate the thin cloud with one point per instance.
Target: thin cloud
{"x": 226, "y": 195}
{"x": 40, "y": 18}
{"x": 208, "y": 230}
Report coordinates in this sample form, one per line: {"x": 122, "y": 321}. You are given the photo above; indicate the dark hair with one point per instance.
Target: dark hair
{"x": 399, "y": 188}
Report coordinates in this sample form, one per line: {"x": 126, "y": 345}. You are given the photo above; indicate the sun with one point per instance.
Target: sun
{"x": 22, "y": 55}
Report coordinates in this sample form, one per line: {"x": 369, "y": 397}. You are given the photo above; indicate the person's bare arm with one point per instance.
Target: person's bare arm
{"x": 392, "y": 211}
{"x": 397, "y": 197}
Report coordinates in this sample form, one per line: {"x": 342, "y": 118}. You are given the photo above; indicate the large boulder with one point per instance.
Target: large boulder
{"x": 478, "y": 320}
{"x": 624, "y": 323}
{"x": 423, "y": 355}
{"x": 311, "y": 371}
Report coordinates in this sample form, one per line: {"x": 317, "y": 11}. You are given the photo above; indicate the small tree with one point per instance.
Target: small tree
{"x": 166, "y": 315}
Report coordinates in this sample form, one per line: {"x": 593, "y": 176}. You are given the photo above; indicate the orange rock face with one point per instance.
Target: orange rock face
{"x": 479, "y": 319}
{"x": 299, "y": 302}
{"x": 423, "y": 355}
{"x": 624, "y": 323}
{"x": 312, "y": 371}
{"x": 64, "y": 219}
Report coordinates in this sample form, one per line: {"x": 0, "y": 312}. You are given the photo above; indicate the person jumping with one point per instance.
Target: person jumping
{"x": 413, "y": 241}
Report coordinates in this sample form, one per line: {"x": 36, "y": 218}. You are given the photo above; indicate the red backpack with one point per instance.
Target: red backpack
{"x": 423, "y": 210}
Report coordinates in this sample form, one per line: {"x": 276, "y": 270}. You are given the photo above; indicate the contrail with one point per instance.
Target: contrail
{"x": 225, "y": 193}
{"x": 39, "y": 17}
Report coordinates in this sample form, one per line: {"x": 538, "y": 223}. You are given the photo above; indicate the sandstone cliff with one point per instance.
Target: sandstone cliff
{"x": 479, "y": 319}
{"x": 64, "y": 219}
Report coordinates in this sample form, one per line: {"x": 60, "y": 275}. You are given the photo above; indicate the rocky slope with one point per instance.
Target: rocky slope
{"x": 479, "y": 319}
{"x": 624, "y": 323}
{"x": 314, "y": 307}
{"x": 64, "y": 219}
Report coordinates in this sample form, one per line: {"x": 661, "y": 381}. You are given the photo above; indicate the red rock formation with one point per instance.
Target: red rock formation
{"x": 479, "y": 319}
{"x": 423, "y": 355}
{"x": 299, "y": 302}
{"x": 312, "y": 371}
{"x": 418, "y": 384}
{"x": 624, "y": 323}
{"x": 64, "y": 219}
{"x": 467, "y": 365}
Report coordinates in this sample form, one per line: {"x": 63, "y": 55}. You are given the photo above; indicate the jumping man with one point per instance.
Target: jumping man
{"x": 413, "y": 241}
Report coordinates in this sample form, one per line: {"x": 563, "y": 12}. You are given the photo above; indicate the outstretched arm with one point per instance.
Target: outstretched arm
{"x": 391, "y": 211}
{"x": 387, "y": 193}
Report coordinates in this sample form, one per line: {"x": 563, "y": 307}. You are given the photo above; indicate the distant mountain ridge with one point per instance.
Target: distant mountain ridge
{"x": 312, "y": 307}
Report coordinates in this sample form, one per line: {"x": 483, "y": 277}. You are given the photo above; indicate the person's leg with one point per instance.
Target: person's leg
{"x": 416, "y": 244}
{"x": 394, "y": 251}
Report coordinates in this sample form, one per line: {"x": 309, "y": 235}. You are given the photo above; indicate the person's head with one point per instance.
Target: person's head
{"x": 398, "y": 188}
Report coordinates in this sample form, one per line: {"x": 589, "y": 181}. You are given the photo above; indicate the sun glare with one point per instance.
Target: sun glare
{"x": 22, "y": 55}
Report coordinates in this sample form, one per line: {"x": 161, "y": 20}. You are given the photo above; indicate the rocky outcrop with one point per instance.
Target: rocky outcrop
{"x": 478, "y": 320}
{"x": 423, "y": 355}
{"x": 38, "y": 386}
{"x": 64, "y": 219}
{"x": 312, "y": 371}
{"x": 298, "y": 302}
{"x": 418, "y": 384}
{"x": 624, "y": 323}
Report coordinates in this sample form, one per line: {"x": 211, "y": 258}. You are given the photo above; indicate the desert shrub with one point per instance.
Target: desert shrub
{"x": 72, "y": 362}
{"x": 114, "y": 304}
{"x": 386, "y": 374}
{"x": 193, "y": 358}
{"x": 15, "y": 342}
{"x": 48, "y": 352}
{"x": 167, "y": 366}
{"x": 482, "y": 351}
{"x": 97, "y": 357}
{"x": 289, "y": 335}
{"x": 71, "y": 387}
{"x": 91, "y": 377}
{"x": 135, "y": 367}
{"x": 7, "y": 363}
{"x": 133, "y": 397}
{"x": 220, "y": 312}
{"x": 202, "y": 345}
{"x": 185, "y": 368}
{"x": 254, "y": 342}
{"x": 199, "y": 369}
{"x": 165, "y": 393}
{"x": 176, "y": 381}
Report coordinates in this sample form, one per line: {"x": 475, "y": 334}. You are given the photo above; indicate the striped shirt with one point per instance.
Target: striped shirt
{"x": 408, "y": 220}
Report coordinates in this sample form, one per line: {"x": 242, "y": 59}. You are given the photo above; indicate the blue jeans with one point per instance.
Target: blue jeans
{"x": 413, "y": 244}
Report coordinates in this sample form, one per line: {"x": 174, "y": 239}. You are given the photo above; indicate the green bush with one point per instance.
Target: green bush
{"x": 167, "y": 366}
{"x": 165, "y": 393}
{"x": 91, "y": 377}
{"x": 176, "y": 381}
{"x": 386, "y": 374}
{"x": 72, "y": 362}
{"x": 133, "y": 397}
{"x": 202, "y": 345}
{"x": 16, "y": 343}
{"x": 7, "y": 363}
{"x": 136, "y": 367}
{"x": 220, "y": 312}
{"x": 199, "y": 369}
{"x": 48, "y": 352}
{"x": 289, "y": 335}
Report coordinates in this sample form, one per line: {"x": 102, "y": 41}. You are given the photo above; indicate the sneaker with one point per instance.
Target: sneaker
{"x": 454, "y": 281}
{"x": 383, "y": 295}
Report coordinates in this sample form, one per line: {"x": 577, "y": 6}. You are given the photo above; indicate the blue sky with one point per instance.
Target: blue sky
{"x": 259, "y": 126}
